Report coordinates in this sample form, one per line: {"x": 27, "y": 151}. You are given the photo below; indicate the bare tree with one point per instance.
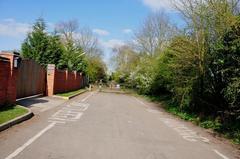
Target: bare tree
{"x": 67, "y": 29}
{"x": 90, "y": 44}
{"x": 154, "y": 33}
{"x": 82, "y": 38}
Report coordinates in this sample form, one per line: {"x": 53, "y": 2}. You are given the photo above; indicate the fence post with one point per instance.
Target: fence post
{"x": 50, "y": 79}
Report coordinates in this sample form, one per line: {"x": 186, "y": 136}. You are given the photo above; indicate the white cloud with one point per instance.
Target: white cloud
{"x": 127, "y": 31}
{"x": 101, "y": 32}
{"x": 11, "y": 28}
{"x": 110, "y": 44}
{"x": 159, "y": 4}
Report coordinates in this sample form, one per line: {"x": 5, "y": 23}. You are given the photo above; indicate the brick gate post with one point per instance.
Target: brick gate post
{"x": 50, "y": 79}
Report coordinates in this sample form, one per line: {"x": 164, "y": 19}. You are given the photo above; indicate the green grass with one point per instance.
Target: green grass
{"x": 10, "y": 112}
{"x": 69, "y": 94}
{"x": 230, "y": 131}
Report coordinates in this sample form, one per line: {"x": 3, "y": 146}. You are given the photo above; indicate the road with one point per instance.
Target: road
{"x": 99, "y": 125}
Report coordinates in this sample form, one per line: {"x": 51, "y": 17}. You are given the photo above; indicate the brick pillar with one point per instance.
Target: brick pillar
{"x": 66, "y": 87}
{"x": 75, "y": 85}
{"x": 81, "y": 79}
{"x": 11, "y": 92}
{"x": 50, "y": 79}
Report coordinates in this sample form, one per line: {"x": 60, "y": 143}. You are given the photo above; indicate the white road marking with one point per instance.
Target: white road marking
{"x": 141, "y": 102}
{"x": 57, "y": 122}
{"x": 82, "y": 106}
{"x": 184, "y": 131}
{"x": 30, "y": 141}
{"x": 71, "y": 112}
{"x": 55, "y": 118}
{"x": 154, "y": 111}
{"x": 84, "y": 99}
{"x": 221, "y": 155}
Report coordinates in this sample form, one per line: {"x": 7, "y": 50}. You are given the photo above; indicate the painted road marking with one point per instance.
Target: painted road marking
{"x": 184, "y": 131}
{"x": 154, "y": 111}
{"x": 84, "y": 99}
{"x": 30, "y": 141}
{"x": 139, "y": 101}
{"x": 71, "y": 112}
{"x": 68, "y": 113}
{"x": 147, "y": 106}
{"x": 60, "y": 122}
{"x": 82, "y": 106}
{"x": 221, "y": 155}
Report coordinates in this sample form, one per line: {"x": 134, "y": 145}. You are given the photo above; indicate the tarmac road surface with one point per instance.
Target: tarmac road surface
{"x": 99, "y": 125}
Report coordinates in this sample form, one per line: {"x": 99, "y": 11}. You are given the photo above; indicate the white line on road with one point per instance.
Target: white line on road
{"x": 140, "y": 102}
{"x": 154, "y": 111}
{"x": 61, "y": 119}
{"x": 184, "y": 131}
{"x": 84, "y": 99}
{"x": 30, "y": 141}
{"x": 57, "y": 122}
{"x": 217, "y": 152}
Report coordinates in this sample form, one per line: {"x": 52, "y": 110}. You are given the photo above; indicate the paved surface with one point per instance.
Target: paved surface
{"x": 109, "y": 126}
{"x": 41, "y": 104}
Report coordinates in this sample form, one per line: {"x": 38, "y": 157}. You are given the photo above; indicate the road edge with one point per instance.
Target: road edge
{"x": 70, "y": 97}
{"x": 17, "y": 120}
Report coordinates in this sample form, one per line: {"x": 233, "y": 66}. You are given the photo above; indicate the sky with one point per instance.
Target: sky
{"x": 112, "y": 21}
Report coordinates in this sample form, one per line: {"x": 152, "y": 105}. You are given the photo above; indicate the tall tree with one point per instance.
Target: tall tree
{"x": 154, "y": 34}
{"x": 73, "y": 57}
{"x": 43, "y": 48}
{"x": 89, "y": 42}
{"x": 67, "y": 29}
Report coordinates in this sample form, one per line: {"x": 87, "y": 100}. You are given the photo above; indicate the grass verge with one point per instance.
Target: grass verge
{"x": 69, "y": 94}
{"x": 10, "y": 112}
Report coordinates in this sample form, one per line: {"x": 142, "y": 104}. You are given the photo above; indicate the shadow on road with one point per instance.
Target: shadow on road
{"x": 32, "y": 101}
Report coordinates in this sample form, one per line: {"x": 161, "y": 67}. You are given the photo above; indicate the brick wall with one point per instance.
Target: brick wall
{"x": 12, "y": 78}
{"x": 4, "y": 75}
{"x": 59, "y": 81}
{"x": 66, "y": 81}
{"x": 8, "y": 78}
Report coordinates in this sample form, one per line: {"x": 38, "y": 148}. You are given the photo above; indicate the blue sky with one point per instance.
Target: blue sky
{"x": 113, "y": 21}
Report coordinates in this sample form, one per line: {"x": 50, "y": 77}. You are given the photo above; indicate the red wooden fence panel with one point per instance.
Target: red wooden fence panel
{"x": 31, "y": 79}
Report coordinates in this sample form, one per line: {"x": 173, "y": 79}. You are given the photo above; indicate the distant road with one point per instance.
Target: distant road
{"x": 99, "y": 125}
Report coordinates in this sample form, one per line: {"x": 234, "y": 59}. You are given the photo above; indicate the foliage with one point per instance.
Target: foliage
{"x": 82, "y": 51}
{"x": 225, "y": 73}
{"x": 198, "y": 65}
{"x": 73, "y": 59}
{"x": 64, "y": 49}
{"x": 43, "y": 48}
{"x": 96, "y": 70}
